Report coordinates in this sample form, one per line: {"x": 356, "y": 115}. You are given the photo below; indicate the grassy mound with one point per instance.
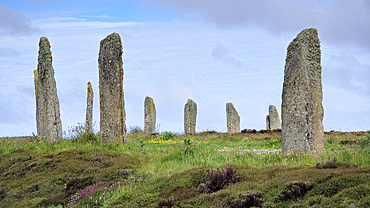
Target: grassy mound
{"x": 30, "y": 179}
{"x": 205, "y": 170}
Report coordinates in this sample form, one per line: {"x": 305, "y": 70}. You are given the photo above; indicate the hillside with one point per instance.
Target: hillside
{"x": 208, "y": 169}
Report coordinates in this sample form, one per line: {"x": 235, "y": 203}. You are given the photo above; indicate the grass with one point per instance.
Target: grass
{"x": 167, "y": 171}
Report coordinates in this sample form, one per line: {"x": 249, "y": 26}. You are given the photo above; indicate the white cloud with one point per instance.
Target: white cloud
{"x": 347, "y": 73}
{"x": 341, "y": 21}
{"x": 220, "y": 52}
{"x": 14, "y": 23}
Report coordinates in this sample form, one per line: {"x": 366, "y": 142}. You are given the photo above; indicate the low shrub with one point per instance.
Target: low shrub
{"x": 295, "y": 190}
{"x": 250, "y": 199}
{"x": 53, "y": 201}
{"x": 250, "y": 131}
{"x": 80, "y": 134}
{"x": 74, "y": 131}
{"x": 168, "y": 135}
{"x": 347, "y": 142}
{"x": 135, "y": 129}
{"x": 94, "y": 195}
{"x": 87, "y": 137}
{"x": 2, "y": 192}
{"x": 364, "y": 141}
{"x": 188, "y": 141}
{"x": 331, "y": 164}
{"x": 73, "y": 186}
{"x": 166, "y": 203}
{"x": 217, "y": 180}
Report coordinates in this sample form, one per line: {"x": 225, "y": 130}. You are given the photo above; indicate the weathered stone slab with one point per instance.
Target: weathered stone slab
{"x": 273, "y": 119}
{"x": 149, "y": 115}
{"x": 89, "y": 107}
{"x": 233, "y": 119}
{"x": 111, "y": 94}
{"x": 49, "y": 125}
{"x": 190, "y": 117}
{"x": 302, "y": 110}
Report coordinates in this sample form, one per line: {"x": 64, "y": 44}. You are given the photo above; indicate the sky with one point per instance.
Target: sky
{"x": 211, "y": 51}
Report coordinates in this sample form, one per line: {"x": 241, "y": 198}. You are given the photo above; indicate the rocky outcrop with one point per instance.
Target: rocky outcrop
{"x": 233, "y": 119}
{"x": 302, "y": 110}
{"x": 273, "y": 119}
{"x": 190, "y": 117}
{"x": 112, "y": 104}
{"x": 49, "y": 125}
{"x": 89, "y": 107}
{"x": 149, "y": 115}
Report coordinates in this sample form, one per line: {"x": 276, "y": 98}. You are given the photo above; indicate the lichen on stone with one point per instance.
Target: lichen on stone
{"x": 49, "y": 125}
{"x": 273, "y": 119}
{"x": 149, "y": 115}
{"x": 111, "y": 94}
{"x": 233, "y": 119}
{"x": 89, "y": 107}
{"x": 302, "y": 110}
{"x": 190, "y": 117}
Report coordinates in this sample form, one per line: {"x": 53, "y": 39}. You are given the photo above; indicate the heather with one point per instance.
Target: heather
{"x": 208, "y": 169}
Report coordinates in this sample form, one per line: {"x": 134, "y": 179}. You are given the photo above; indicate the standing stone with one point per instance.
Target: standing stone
{"x": 149, "y": 115}
{"x": 112, "y": 103}
{"x": 302, "y": 110}
{"x": 233, "y": 119}
{"x": 190, "y": 117}
{"x": 272, "y": 120}
{"x": 49, "y": 125}
{"x": 268, "y": 123}
{"x": 89, "y": 107}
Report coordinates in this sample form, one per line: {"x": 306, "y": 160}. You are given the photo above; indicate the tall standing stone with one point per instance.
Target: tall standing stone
{"x": 190, "y": 117}
{"x": 233, "y": 119}
{"x": 49, "y": 125}
{"x": 112, "y": 104}
{"x": 302, "y": 110}
{"x": 89, "y": 107}
{"x": 273, "y": 119}
{"x": 149, "y": 115}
